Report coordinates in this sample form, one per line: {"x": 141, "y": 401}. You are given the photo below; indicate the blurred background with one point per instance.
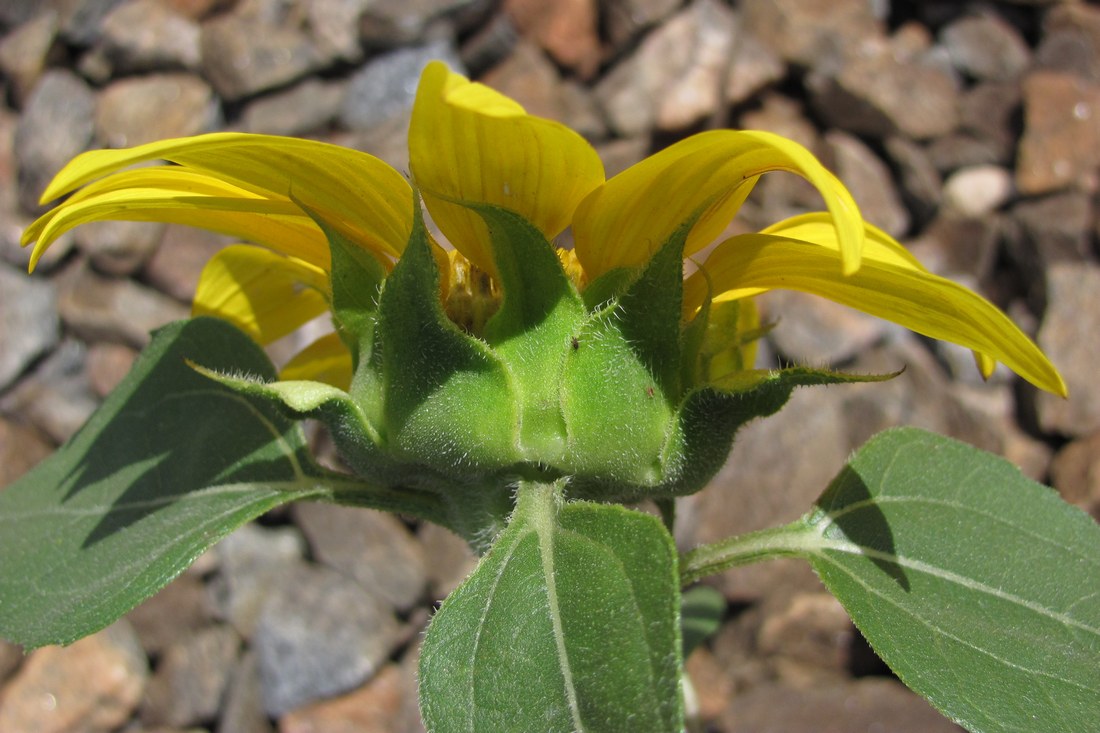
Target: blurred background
{"x": 969, "y": 130}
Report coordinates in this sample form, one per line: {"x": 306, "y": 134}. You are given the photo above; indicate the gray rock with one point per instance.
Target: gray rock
{"x": 18, "y": 12}
{"x": 119, "y": 247}
{"x": 98, "y": 308}
{"x": 753, "y": 68}
{"x": 1068, "y": 337}
{"x": 25, "y": 51}
{"x": 108, "y": 364}
{"x": 191, "y": 678}
{"x": 243, "y": 708}
{"x": 392, "y": 23}
{"x": 962, "y": 149}
{"x": 978, "y": 190}
{"x": 58, "y": 397}
{"x": 147, "y": 35}
{"x": 82, "y": 20}
{"x": 372, "y": 547}
{"x": 1060, "y": 146}
{"x": 21, "y": 449}
{"x": 30, "y": 326}
{"x": 452, "y": 560}
{"x": 320, "y": 634}
{"x": 253, "y": 562}
{"x": 954, "y": 245}
{"x": 869, "y": 181}
{"x": 919, "y": 181}
{"x": 241, "y": 57}
{"x": 305, "y": 107}
{"x": 385, "y": 87}
{"x": 989, "y": 113}
{"x": 56, "y": 125}
{"x": 334, "y": 26}
{"x": 143, "y": 109}
{"x": 986, "y": 47}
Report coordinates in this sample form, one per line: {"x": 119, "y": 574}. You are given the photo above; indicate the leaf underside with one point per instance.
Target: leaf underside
{"x": 978, "y": 586}
{"x": 167, "y": 466}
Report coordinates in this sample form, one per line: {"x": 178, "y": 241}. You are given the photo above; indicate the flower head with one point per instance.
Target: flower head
{"x": 505, "y": 357}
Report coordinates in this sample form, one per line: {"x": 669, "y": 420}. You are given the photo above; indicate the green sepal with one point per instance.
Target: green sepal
{"x": 569, "y": 623}
{"x": 534, "y": 329}
{"x": 709, "y": 417}
{"x": 448, "y": 403}
{"x": 168, "y": 465}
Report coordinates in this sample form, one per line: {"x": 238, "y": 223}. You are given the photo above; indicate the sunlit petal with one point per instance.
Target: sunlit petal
{"x": 178, "y": 196}
{"x": 623, "y": 222}
{"x": 367, "y": 200}
{"x": 912, "y": 297}
{"x": 264, "y": 294}
{"x": 325, "y": 360}
{"x": 468, "y": 143}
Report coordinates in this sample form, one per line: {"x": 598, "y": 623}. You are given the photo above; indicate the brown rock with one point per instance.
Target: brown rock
{"x": 171, "y": 615}
{"x": 147, "y": 35}
{"x": 305, "y": 107}
{"x": 919, "y": 181}
{"x": 1068, "y": 337}
{"x": 243, "y": 708}
{"x": 21, "y": 449}
{"x": 879, "y": 95}
{"x": 119, "y": 247}
{"x": 11, "y": 656}
{"x": 177, "y": 264}
{"x": 953, "y": 245}
{"x": 1071, "y": 41}
{"x": 978, "y": 190}
{"x": 528, "y": 77}
{"x": 1061, "y": 142}
{"x": 100, "y": 308}
{"x": 108, "y": 364}
{"x": 1075, "y": 472}
{"x": 566, "y": 29}
{"x": 1053, "y": 229}
{"x": 452, "y": 559}
{"x": 623, "y": 20}
{"x": 807, "y": 635}
{"x": 242, "y": 56}
{"x": 817, "y": 331}
{"x": 869, "y": 181}
{"x": 811, "y": 33}
{"x": 989, "y": 114}
{"x": 25, "y": 51}
{"x": 369, "y": 709}
{"x": 677, "y": 75}
{"x": 143, "y": 109}
{"x": 92, "y": 686}
{"x": 191, "y": 678}
{"x": 861, "y": 705}
{"x": 57, "y": 398}
{"x": 753, "y": 68}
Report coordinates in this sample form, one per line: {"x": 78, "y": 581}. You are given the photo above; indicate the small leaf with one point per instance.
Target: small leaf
{"x": 702, "y": 611}
{"x": 166, "y": 467}
{"x": 979, "y": 587}
{"x": 569, "y": 623}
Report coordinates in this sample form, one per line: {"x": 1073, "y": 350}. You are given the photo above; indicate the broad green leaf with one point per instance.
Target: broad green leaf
{"x": 569, "y": 623}
{"x": 167, "y": 466}
{"x": 979, "y": 587}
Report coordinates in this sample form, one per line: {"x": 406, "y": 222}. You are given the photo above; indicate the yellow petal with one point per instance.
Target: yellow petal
{"x": 264, "y": 294}
{"x": 325, "y": 360}
{"x": 622, "y": 223}
{"x": 468, "y": 143}
{"x": 179, "y": 196}
{"x": 365, "y": 199}
{"x": 884, "y": 286}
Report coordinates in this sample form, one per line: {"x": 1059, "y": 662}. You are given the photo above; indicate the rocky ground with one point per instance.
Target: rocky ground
{"x": 969, "y": 130}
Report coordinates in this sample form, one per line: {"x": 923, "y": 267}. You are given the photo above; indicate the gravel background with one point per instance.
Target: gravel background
{"x": 970, "y": 130}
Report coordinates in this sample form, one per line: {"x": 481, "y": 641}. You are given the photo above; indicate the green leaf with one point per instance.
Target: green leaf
{"x": 569, "y": 623}
{"x": 166, "y": 467}
{"x": 978, "y": 586}
{"x": 702, "y": 611}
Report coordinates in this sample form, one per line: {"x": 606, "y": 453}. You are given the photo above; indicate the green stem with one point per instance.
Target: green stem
{"x": 796, "y": 539}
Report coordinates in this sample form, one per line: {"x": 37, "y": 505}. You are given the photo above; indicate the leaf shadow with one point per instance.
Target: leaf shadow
{"x": 853, "y": 510}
